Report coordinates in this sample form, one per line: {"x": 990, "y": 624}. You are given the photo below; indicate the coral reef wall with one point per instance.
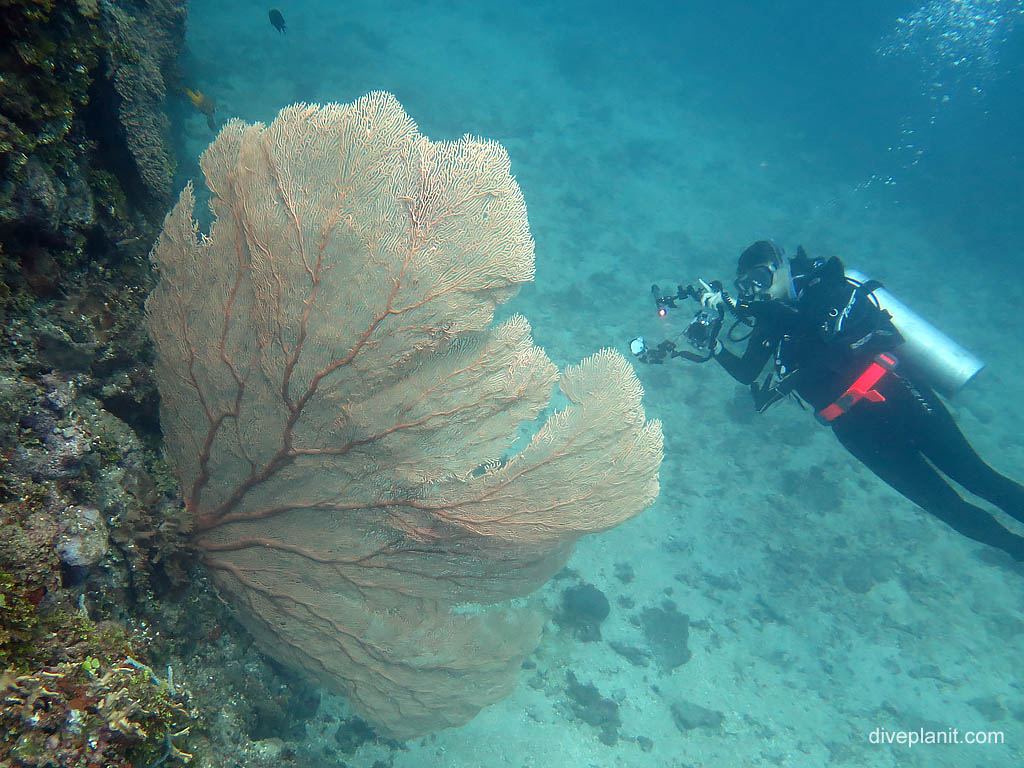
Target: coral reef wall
{"x": 92, "y": 540}
{"x": 86, "y": 164}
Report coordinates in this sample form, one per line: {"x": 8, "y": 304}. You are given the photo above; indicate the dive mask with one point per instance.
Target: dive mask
{"x": 755, "y": 283}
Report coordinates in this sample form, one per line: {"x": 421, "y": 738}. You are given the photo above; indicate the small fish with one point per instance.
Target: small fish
{"x": 277, "y": 20}
{"x": 204, "y": 104}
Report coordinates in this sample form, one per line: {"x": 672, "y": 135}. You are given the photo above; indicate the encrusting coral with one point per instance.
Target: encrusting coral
{"x": 93, "y": 713}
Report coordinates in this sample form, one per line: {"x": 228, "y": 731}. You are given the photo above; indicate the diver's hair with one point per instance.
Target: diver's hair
{"x": 762, "y": 252}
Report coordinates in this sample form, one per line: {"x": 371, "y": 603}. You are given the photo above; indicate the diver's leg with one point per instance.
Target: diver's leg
{"x": 896, "y": 460}
{"x": 942, "y": 442}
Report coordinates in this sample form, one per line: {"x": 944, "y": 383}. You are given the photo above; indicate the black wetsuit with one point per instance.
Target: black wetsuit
{"x": 907, "y": 439}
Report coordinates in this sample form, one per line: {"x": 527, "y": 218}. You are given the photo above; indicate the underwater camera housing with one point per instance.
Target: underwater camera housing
{"x": 700, "y": 333}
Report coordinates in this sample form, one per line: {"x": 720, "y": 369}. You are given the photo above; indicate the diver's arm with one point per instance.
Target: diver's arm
{"x": 745, "y": 369}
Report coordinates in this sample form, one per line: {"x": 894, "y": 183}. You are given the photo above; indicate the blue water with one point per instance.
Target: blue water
{"x": 652, "y": 143}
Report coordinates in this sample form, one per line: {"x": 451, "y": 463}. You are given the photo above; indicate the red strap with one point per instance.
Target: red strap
{"x": 860, "y": 389}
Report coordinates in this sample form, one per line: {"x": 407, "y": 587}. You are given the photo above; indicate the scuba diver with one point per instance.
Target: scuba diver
{"x": 866, "y": 364}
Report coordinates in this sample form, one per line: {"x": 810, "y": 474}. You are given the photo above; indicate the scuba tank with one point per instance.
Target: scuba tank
{"x": 946, "y": 365}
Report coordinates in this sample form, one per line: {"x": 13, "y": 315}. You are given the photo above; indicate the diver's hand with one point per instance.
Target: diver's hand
{"x": 711, "y": 294}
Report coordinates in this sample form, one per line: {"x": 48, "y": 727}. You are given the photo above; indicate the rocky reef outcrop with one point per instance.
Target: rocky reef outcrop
{"x": 86, "y": 164}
